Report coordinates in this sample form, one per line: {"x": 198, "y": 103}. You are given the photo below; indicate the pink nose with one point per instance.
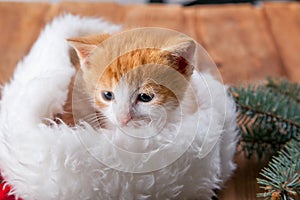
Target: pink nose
{"x": 125, "y": 120}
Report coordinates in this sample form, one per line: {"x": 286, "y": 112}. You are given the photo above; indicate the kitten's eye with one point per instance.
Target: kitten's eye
{"x": 107, "y": 95}
{"x": 145, "y": 97}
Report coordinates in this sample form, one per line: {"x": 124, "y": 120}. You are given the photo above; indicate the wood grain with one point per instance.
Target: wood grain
{"x": 20, "y": 26}
{"x": 284, "y": 21}
{"x": 242, "y": 185}
{"x": 238, "y": 40}
{"x": 247, "y": 43}
{"x": 109, "y": 11}
{"x": 154, "y": 16}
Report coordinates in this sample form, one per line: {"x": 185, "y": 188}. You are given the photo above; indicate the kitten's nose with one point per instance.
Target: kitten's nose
{"x": 124, "y": 121}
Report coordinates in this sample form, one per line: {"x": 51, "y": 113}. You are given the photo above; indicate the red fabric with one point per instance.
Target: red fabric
{"x": 4, "y": 190}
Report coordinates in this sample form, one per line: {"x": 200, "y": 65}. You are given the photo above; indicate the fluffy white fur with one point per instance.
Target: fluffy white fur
{"x": 58, "y": 162}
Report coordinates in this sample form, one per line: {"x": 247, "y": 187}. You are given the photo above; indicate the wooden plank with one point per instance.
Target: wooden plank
{"x": 284, "y": 20}
{"x": 237, "y": 37}
{"x": 20, "y": 26}
{"x": 173, "y": 17}
{"x": 112, "y": 12}
{"x": 243, "y": 185}
{"x": 238, "y": 40}
{"x": 189, "y": 23}
{"x": 154, "y": 16}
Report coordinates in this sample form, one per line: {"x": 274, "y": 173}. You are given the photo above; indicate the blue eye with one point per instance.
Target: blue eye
{"x": 145, "y": 97}
{"x": 107, "y": 95}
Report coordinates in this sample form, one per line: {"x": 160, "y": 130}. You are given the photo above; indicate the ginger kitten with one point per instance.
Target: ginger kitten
{"x": 130, "y": 86}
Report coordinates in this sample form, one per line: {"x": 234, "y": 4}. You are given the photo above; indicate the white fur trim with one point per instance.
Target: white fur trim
{"x": 58, "y": 162}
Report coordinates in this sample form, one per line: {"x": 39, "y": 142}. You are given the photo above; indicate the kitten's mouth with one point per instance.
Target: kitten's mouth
{"x": 135, "y": 122}
{"x": 142, "y": 128}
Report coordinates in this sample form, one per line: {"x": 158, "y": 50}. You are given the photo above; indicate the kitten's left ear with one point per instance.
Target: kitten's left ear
{"x": 185, "y": 48}
{"x": 182, "y": 55}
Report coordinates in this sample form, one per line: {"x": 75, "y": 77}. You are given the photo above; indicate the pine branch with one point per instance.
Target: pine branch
{"x": 267, "y": 119}
{"x": 282, "y": 176}
{"x": 285, "y": 87}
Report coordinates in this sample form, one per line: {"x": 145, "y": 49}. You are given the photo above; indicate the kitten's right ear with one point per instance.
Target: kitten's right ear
{"x": 84, "y": 46}
{"x": 82, "y": 49}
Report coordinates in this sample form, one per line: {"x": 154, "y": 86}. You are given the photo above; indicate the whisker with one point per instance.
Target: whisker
{"x": 91, "y": 115}
{"x": 94, "y": 117}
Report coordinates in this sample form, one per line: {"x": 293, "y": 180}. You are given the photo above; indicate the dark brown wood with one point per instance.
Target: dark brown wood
{"x": 242, "y": 185}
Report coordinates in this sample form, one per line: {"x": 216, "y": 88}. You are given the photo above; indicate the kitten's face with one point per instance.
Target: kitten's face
{"x": 142, "y": 87}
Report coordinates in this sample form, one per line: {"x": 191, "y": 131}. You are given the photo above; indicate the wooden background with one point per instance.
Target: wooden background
{"x": 247, "y": 43}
